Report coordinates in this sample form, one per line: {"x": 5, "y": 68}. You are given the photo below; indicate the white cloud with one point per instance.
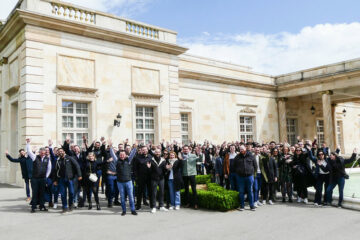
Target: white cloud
{"x": 282, "y": 52}
{"x": 125, "y": 8}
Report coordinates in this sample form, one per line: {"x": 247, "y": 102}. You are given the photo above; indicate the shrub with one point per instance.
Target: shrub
{"x": 215, "y": 197}
{"x": 202, "y": 179}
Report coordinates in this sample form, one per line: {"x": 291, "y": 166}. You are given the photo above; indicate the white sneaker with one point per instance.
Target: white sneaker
{"x": 177, "y": 208}
{"x": 316, "y": 205}
{"x": 171, "y": 208}
{"x": 306, "y": 201}
{"x": 264, "y": 202}
{"x": 259, "y": 203}
{"x": 55, "y": 206}
{"x": 153, "y": 210}
{"x": 271, "y": 202}
{"x": 255, "y": 205}
{"x": 163, "y": 209}
{"x": 299, "y": 200}
{"x": 75, "y": 205}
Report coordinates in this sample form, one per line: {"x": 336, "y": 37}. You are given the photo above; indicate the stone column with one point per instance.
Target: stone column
{"x": 328, "y": 119}
{"x": 282, "y": 119}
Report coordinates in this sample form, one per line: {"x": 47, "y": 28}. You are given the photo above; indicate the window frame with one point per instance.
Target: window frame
{"x": 290, "y": 133}
{"x": 254, "y": 130}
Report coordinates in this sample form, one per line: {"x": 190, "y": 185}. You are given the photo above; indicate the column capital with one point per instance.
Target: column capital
{"x": 282, "y": 99}
{"x": 328, "y": 92}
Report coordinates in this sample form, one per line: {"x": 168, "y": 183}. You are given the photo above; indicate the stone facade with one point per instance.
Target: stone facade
{"x": 53, "y": 54}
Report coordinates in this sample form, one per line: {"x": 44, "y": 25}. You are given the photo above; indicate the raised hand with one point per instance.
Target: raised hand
{"x": 6, "y": 152}
{"x": 148, "y": 164}
{"x": 27, "y": 140}
{"x": 109, "y": 142}
{"x": 50, "y": 142}
{"x": 355, "y": 150}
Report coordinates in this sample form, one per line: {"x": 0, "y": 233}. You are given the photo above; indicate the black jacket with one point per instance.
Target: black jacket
{"x": 71, "y": 168}
{"x": 90, "y": 167}
{"x": 158, "y": 168}
{"x": 123, "y": 170}
{"x": 245, "y": 165}
{"x": 140, "y": 166}
{"x": 337, "y": 167}
{"x": 26, "y": 165}
{"x": 271, "y": 169}
{"x": 100, "y": 153}
{"x": 81, "y": 159}
{"x": 177, "y": 174}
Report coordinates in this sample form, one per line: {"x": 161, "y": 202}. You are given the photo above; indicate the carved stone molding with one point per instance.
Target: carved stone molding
{"x": 148, "y": 97}
{"x": 291, "y": 113}
{"x": 184, "y": 106}
{"x": 69, "y": 90}
{"x": 247, "y": 110}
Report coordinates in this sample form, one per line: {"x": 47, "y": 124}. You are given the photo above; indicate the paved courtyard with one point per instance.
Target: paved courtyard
{"x": 281, "y": 221}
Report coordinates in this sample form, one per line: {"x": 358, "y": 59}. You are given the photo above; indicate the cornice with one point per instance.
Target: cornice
{"x": 23, "y": 17}
{"x": 225, "y": 80}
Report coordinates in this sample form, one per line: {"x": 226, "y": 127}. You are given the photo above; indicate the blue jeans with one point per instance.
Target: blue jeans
{"x": 257, "y": 187}
{"x": 126, "y": 188}
{"x": 174, "y": 195}
{"x": 329, "y": 191}
{"x": 233, "y": 181}
{"x": 110, "y": 184}
{"x": 77, "y": 189}
{"x": 245, "y": 183}
{"x": 27, "y": 186}
{"x": 55, "y": 192}
{"x": 64, "y": 185}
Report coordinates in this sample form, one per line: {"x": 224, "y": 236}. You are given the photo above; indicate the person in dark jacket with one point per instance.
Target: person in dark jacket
{"x": 322, "y": 177}
{"x": 80, "y": 157}
{"x": 124, "y": 181}
{"x": 90, "y": 166}
{"x": 157, "y": 171}
{"x": 64, "y": 176}
{"x": 285, "y": 177}
{"x": 41, "y": 171}
{"x": 219, "y": 168}
{"x": 98, "y": 148}
{"x": 269, "y": 169}
{"x": 336, "y": 167}
{"x": 175, "y": 182}
{"x": 245, "y": 166}
{"x": 302, "y": 173}
{"x": 142, "y": 175}
{"x": 26, "y": 165}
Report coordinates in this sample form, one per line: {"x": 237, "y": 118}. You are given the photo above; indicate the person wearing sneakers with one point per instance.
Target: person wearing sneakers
{"x": 270, "y": 175}
{"x": 124, "y": 181}
{"x": 258, "y": 177}
{"x": 245, "y": 166}
{"x": 175, "y": 180}
{"x": 157, "y": 171}
{"x": 26, "y": 165}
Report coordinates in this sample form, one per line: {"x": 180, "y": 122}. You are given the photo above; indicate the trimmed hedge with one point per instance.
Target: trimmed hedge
{"x": 215, "y": 197}
{"x": 202, "y": 179}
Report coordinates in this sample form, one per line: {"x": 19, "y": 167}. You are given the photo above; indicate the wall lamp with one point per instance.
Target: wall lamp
{"x": 117, "y": 121}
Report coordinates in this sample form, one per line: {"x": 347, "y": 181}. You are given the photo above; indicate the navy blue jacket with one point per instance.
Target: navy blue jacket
{"x": 26, "y": 165}
{"x": 219, "y": 166}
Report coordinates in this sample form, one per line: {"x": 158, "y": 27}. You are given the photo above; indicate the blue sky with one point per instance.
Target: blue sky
{"x": 271, "y": 36}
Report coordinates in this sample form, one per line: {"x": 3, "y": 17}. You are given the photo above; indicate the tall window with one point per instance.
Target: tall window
{"x": 145, "y": 124}
{"x": 291, "y": 125}
{"x": 320, "y": 131}
{"x": 247, "y": 128}
{"x": 75, "y": 121}
{"x": 185, "y": 128}
{"x": 338, "y": 133}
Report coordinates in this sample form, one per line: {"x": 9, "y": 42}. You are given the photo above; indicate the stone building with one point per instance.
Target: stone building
{"x": 66, "y": 69}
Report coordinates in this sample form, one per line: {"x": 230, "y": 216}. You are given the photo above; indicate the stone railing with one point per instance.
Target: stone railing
{"x": 142, "y": 30}
{"x": 72, "y": 13}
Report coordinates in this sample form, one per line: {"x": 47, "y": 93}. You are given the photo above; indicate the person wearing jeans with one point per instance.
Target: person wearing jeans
{"x": 124, "y": 182}
{"x": 336, "y": 167}
{"x": 175, "y": 181}
{"x": 257, "y": 178}
{"x": 26, "y": 165}
{"x": 245, "y": 165}
{"x": 229, "y": 170}
{"x": 189, "y": 171}
{"x": 64, "y": 175}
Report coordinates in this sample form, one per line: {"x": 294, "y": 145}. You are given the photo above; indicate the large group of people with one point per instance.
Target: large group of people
{"x": 143, "y": 173}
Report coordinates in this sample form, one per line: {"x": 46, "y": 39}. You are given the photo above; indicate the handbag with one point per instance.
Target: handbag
{"x": 92, "y": 176}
